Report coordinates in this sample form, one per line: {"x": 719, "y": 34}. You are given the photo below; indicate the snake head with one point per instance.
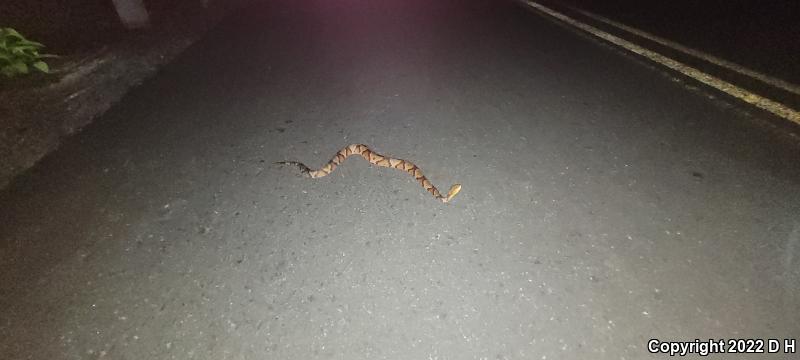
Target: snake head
{"x": 452, "y": 192}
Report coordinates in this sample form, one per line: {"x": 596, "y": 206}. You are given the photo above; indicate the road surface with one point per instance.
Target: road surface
{"x": 603, "y": 203}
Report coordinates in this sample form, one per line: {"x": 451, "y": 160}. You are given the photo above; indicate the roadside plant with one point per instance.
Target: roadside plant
{"x": 18, "y": 54}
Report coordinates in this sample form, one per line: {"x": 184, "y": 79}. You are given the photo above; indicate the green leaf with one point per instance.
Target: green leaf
{"x": 25, "y": 42}
{"x": 12, "y": 39}
{"x": 20, "y": 67}
{"x": 41, "y": 66}
{"x": 8, "y": 71}
{"x": 18, "y": 54}
{"x": 23, "y": 51}
{"x": 11, "y": 32}
{"x": 25, "y": 47}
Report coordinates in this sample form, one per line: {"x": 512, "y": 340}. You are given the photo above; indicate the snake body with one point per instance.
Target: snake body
{"x": 376, "y": 159}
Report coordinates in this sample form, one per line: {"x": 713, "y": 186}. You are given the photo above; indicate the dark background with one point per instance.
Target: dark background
{"x": 67, "y": 26}
{"x": 762, "y": 35}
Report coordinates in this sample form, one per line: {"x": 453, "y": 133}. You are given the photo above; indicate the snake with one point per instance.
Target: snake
{"x": 379, "y": 160}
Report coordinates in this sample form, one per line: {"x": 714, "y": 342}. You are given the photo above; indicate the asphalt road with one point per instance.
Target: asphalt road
{"x": 604, "y": 204}
{"x": 761, "y": 36}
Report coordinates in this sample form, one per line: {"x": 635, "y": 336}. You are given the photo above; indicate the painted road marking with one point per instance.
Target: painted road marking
{"x": 717, "y": 83}
{"x": 769, "y": 80}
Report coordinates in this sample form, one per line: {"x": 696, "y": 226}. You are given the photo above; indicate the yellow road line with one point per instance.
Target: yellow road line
{"x": 769, "y": 80}
{"x": 717, "y": 83}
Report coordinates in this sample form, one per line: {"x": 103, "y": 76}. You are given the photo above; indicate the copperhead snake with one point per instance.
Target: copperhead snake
{"x": 376, "y": 159}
